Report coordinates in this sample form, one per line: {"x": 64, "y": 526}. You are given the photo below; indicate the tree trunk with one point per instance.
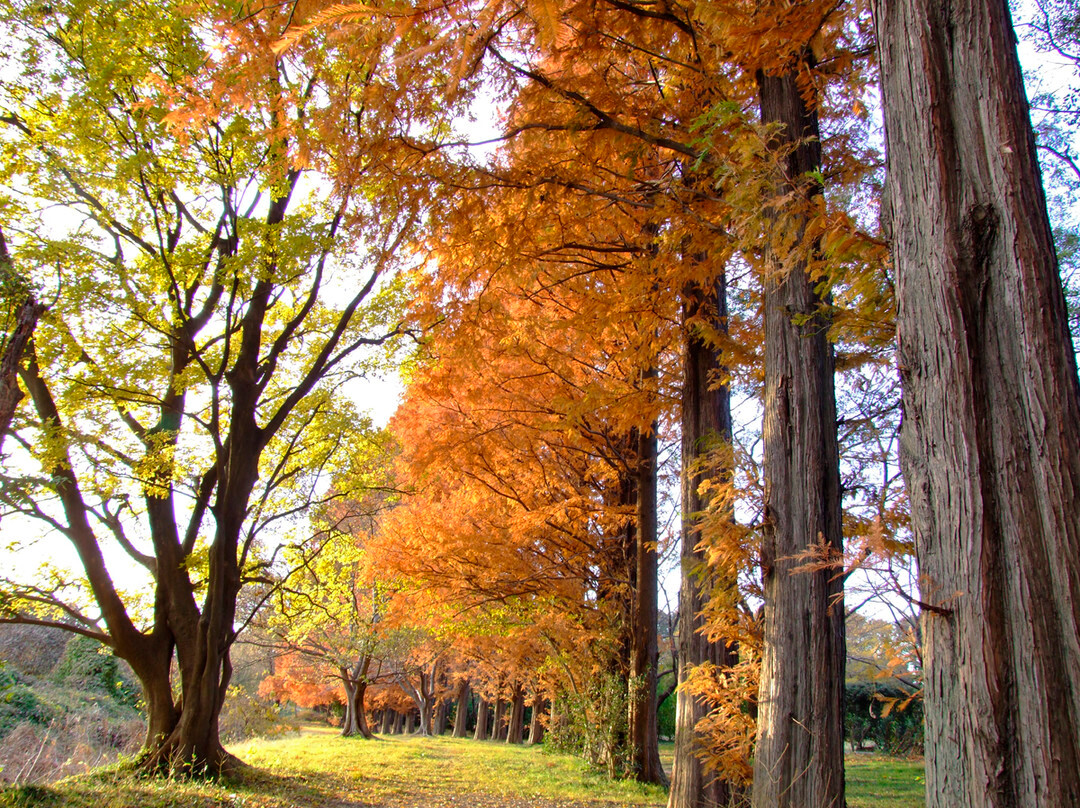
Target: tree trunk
{"x": 644, "y": 737}
{"x": 990, "y": 441}
{"x": 461, "y": 710}
{"x": 355, "y": 722}
{"x": 516, "y": 726}
{"x": 442, "y": 712}
{"x": 536, "y": 726}
{"x": 481, "y": 733}
{"x": 386, "y": 724}
{"x": 498, "y": 729}
{"x": 706, "y": 437}
{"x": 399, "y": 721}
{"x": 410, "y": 722}
{"x": 26, "y": 318}
{"x": 799, "y": 760}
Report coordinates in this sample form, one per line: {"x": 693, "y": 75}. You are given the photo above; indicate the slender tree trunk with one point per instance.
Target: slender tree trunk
{"x": 990, "y": 441}
{"x": 516, "y": 726}
{"x": 481, "y": 733}
{"x": 536, "y": 726}
{"x": 461, "y": 710}
{"x": 399, "y": 721}
{"x": 410, "y": 722}
{"x": 498, "y": 729}
{"x": 644, "y": 736}
{"x": 386, "y": 724}
{"x": 706, "y": 437}
{"x": 442, "y": 712}
{"x": 799, "y": 760}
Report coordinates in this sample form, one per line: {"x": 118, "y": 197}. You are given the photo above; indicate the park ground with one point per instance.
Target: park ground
{"x": 319, "y": 769}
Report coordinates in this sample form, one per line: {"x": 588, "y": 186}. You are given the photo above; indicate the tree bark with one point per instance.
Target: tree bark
{"x": 386, "y": 725}
{"x": 799, "y": 760}
{"x": 442, "y": 712}
{"x": 410, "y": 722}
{"x": 516, "y": 725}
{"x": 706, "y": 435}
{"x": 990, "y": 441}
{"x": 644, "y": 737}
{"x": 536, "y": 726}
{"x": 498, "y": 728}
{"x": 481, "y": 733}
{"x": 461, "y": 710}
{"x": 399, "y": 721}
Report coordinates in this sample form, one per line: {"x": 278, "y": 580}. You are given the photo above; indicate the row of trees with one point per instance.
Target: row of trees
{"x": 680, "y": 210}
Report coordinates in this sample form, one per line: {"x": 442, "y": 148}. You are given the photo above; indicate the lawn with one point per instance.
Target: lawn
{"x": 319, "y": 769}
{"x": 882, "y": 782}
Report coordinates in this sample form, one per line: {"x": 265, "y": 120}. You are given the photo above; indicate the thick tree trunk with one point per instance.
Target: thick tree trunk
{"x": 355, "y": 722}
{"x": 498, "y": 729}
{"x": 990, "y": 442}
{"x": 799, "y": 760}
{"x": 706, "y": 437}
{"x": 461, "y": 710}
{"x": 644, "y": 737}
{"x": 481, "y": 733}
{"x": 536, "y": 726}
{"x": 516, "y": 726}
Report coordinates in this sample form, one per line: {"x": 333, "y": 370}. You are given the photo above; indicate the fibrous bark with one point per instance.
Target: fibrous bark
{"x": 536, "y": 725}
{"x": 799, "y": 760}
{"x": 481, "y": 732}
{"x": 461, "y": 711}
{"x": 516, "y": 724}
{"x": 706, "y": 436}
{"x": 644, "y": 737}
{"x": 990, "y": 441}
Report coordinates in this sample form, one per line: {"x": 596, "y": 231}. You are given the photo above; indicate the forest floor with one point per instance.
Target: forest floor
{"x": 319, "y": 769}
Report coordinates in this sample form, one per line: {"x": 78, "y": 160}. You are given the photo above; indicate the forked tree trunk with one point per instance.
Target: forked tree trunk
{"x": 355, "y": 722}
{"x": 461, "y": 710}
{"x": 481, "y": 733}
{"x": 706, "y": 437}
{"x": 644, "y": 738}
{"x": 990, "y": 441}
{"x": 799, "y": 760}
{"x": 516, "y": 725}
{"x": 536, "y": 726}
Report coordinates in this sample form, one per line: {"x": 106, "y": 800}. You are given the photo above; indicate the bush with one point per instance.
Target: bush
{"x": 244, "y": 715}
{"x": 89, "y": 665}
{"x": 896, "y": 730}
{"x": 593, "y": 724}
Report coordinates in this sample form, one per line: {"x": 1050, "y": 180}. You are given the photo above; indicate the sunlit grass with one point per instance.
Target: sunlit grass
{"x": 883, "y": 782}
{"x": 319, "y": 769}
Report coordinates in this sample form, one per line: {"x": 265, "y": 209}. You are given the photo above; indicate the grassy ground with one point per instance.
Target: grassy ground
{"x": 321, "y": 770}
{"x": 882, "y": 782}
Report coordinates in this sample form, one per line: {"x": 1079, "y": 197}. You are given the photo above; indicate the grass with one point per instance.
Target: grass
{"x": 882, "y": 782}
{"x": 319, "y": 769}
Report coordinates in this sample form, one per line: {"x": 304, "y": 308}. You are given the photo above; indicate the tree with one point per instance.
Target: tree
{"x": 21, "y": 312}
{"x": 991, "y": 432}
{"x": 185, "y": 387}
